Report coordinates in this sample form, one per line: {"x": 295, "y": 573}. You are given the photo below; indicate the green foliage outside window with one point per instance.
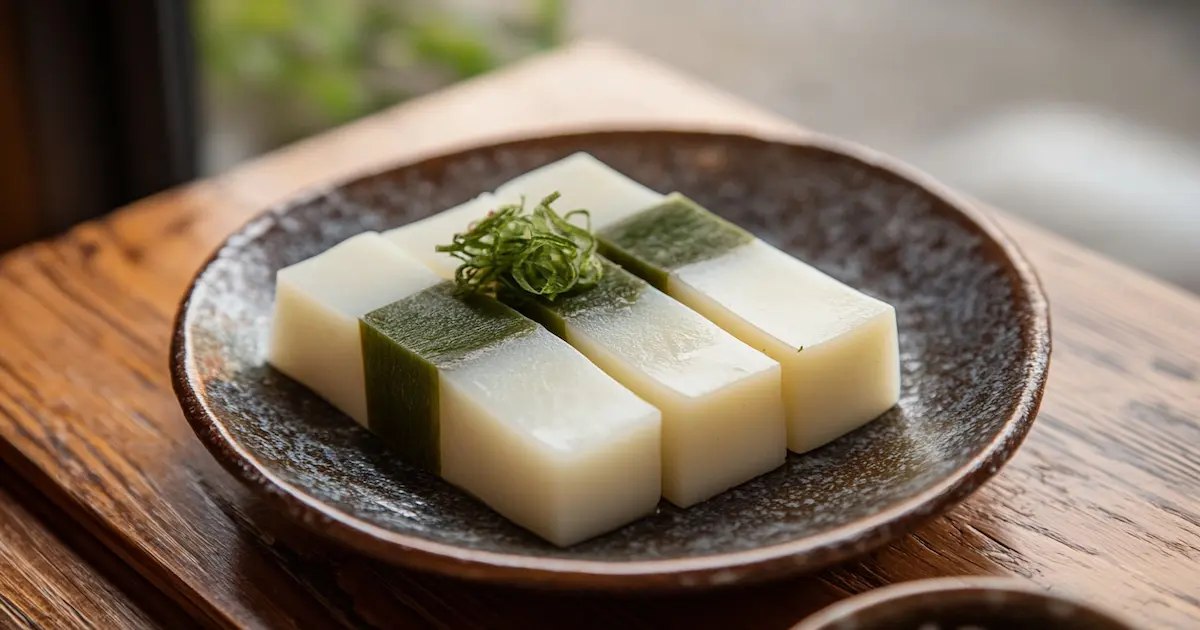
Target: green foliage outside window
{"x": 289, "y": 68}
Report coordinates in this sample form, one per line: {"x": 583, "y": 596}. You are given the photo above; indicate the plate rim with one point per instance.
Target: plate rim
{"x": 753, "y": 565}
{"x": 901, "y": 594}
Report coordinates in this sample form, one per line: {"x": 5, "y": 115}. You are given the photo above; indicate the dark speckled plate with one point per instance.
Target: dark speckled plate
{"x": 962, "y": 603}
{"x": 974, "y": 335}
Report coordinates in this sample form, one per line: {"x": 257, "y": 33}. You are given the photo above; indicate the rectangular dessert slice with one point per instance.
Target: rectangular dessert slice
{"x": 722, "y": 410}
{"x": 722, "y": 407}
{"x": 838, "y": 347}
{"x": 584, "y": 182}
{"x": 478, "y": 393}
{"x": 314, "y": 327}
{"x": 418, "y": 238}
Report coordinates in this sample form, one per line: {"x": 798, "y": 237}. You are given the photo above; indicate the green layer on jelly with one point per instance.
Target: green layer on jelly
{"x": 670, "y": 235}
{"x": 407, "y": 344}
{"x": 615, "y": 292}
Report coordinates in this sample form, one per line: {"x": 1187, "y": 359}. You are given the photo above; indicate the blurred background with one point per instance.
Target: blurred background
{"x": 1080, "y": 115}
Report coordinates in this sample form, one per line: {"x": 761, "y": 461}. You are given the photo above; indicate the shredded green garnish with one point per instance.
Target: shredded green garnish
{"x": 538, "y": 252}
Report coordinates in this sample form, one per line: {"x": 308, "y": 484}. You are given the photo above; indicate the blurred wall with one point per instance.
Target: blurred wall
{"x": 1082, "y": 115}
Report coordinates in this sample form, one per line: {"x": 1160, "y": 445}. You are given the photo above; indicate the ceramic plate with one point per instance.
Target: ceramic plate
{"x": 974, "y": 346}
{"x": 963, "y": 603}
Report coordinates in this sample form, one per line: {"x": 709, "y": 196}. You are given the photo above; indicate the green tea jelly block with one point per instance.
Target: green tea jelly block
{"x": 505, "y": 410}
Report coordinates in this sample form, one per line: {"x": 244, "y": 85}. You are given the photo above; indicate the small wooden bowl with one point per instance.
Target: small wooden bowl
{"x": 974, "y": 603}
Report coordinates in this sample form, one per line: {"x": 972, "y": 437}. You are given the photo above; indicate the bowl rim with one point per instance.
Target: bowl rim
{"x": 894, "y": 594}
{"x": 752, "y": 565}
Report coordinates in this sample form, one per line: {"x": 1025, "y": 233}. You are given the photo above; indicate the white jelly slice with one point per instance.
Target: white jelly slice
{"x": 419, "y": 238}
{"x": 722, "y": 409}
{"x": 314, "y": 327}
{"x": 837, "y": 346}
{"x": 548, "y": 440}
{"x": 584, "y": 182}
{"x": 472, "y": 390}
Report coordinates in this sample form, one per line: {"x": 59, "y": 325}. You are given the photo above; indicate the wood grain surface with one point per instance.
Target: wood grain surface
{"x": 44, "y": 583}
{"x": 1103, "y": 501}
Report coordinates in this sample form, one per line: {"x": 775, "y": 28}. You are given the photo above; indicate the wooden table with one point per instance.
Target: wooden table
{"x": 54, "y": 575}
{"x": 1102, "y": 501}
